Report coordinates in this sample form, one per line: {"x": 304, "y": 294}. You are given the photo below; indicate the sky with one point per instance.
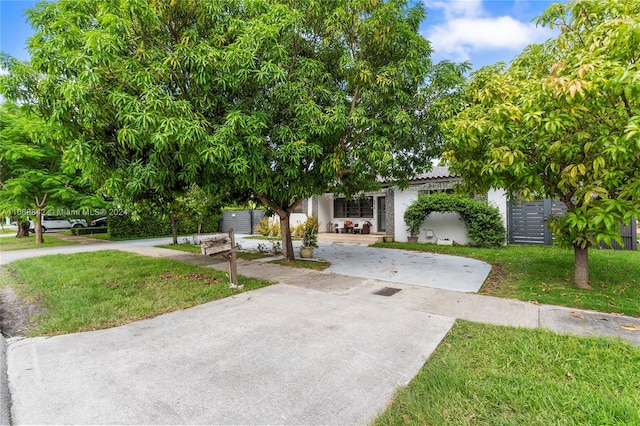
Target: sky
{"x": 480, "y": 31}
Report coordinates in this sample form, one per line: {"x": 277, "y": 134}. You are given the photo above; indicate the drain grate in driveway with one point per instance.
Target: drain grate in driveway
{"x": 387, "y": 291}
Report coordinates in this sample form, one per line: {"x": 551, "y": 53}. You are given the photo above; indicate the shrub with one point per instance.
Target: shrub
{"x": 154, "y": 225}
{"x": 483, "y": 221}
{"x": 89, "y": 231}
{"x": 268, "y": 228}
{"x": 297, "y": 231}
{"x": 310, "y": 232}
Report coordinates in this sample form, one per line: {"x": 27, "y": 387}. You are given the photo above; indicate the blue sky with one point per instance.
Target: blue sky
{"x": 480, "y": 31}
{"x": 483, "y": 31}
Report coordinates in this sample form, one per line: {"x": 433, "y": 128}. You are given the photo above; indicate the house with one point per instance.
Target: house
{"x": 384, "y": 211}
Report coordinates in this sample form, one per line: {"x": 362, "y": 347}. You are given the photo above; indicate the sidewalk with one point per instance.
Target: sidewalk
{"x": 454, "y": 304}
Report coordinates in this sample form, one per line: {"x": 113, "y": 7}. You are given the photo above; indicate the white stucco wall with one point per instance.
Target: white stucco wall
{"x": 325, "y": 212}
{"x": 438, "y": 225}
{"x": 498, "y": 198}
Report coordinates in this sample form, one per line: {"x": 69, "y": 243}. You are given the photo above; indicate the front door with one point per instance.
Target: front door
{"x": 382, "y": 214}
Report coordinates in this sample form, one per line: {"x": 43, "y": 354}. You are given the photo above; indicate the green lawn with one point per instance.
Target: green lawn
{"x": 105, "y": 237}
{"x": 492, "y": 375}
{"x": 88, "y": 291}
{"x": 252, "y": 255}
{"x": 544, "y": 274}
{"x": 191, "y": 248}
{"x": 8, "y": 243}
{"x": 317, "y": 265}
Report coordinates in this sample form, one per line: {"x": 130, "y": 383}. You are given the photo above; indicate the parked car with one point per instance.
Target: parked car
{"x": 101, "y": 221}
{"x": 55, "y": 222}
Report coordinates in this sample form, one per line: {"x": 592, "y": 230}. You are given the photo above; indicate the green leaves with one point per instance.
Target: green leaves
{"x": 562, "y": 121}
{"x": 483, "y": 222}
{"x": 32, "y": 166}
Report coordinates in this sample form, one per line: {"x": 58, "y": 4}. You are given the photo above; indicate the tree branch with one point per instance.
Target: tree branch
{"x": 354, "y": 101}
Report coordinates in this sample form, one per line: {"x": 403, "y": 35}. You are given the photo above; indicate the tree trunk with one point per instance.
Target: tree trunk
{"x": 37, "y": 224}
{"x": 23, "y": 228}
{"x": 581, "y": 267}
{"x": 174, "y": 229}
{"x": 287, "y": 243}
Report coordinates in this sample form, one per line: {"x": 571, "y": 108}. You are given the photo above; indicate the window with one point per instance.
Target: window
{"x": 360, "y": 207}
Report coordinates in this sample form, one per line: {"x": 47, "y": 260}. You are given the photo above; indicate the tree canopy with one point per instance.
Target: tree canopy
{"x": 34, "y": 175}
{"x": 563, "y": 121}
{"x": 287, "y": 99}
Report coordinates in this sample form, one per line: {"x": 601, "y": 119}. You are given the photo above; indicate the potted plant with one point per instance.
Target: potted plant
{"x": 309, "y": 237}
{"x": 413, "y": 222}
{"x": 414, "y": 229}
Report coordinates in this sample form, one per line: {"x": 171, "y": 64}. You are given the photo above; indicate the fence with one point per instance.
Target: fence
{"x": 241, "y": 221}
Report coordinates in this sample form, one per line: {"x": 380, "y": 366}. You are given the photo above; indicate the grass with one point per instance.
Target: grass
{"x": 544, "y": 274}
{"x": 191, "y": 248}
{"x": 493, "y": 375}
{"x": 8, "y": 243}
{"x": 8, "y": 231}
{"x": 252, "y": 255}
{"x": 88, "y": 291}
{"x": 98, "y": 236}
{"x": 317, "y": 265}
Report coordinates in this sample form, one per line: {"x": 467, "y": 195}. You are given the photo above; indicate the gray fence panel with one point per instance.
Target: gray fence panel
{"x": 528, "y": 224}
{"x": 241, "y": 221}
{"x": 629, "y": 238}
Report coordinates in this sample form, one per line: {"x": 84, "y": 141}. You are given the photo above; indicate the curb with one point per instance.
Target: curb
{"x": 5, "y": 396}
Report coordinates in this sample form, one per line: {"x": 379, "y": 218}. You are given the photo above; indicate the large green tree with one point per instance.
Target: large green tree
{"x": 34, "y": 175}
{"x": 562, "y": 121}
{"x": 287, "y": 99}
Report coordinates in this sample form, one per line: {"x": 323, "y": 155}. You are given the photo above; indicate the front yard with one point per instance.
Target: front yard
{"x": 479, "y": 374}
{"x": 89, "y": 291}
{"x": 9, "y": 243}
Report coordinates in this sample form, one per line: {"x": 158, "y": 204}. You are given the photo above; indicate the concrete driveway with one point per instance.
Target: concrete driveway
{"x": 399, "y": 266}
{"x": 278, "y": 355}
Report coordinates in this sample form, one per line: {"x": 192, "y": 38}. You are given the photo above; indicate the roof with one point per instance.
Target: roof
{"x": 438, "y": 172}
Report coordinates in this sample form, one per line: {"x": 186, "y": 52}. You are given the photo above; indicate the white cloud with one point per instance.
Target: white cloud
{"x": 458, "y": 38}
{"x": 456, "y": 9}
{"x": 468, "y": 29}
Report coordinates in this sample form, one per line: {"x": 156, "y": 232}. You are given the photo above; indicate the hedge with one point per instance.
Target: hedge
{"x": 89, "y": 231}
{"x": 483, "y": 221}
{"x": 149, "y": 225}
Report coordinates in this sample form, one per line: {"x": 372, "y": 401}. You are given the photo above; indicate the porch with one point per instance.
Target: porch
{"x": 372, "y": 238}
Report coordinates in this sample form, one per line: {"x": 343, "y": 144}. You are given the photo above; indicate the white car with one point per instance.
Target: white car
{"x": 55, "y": 222}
